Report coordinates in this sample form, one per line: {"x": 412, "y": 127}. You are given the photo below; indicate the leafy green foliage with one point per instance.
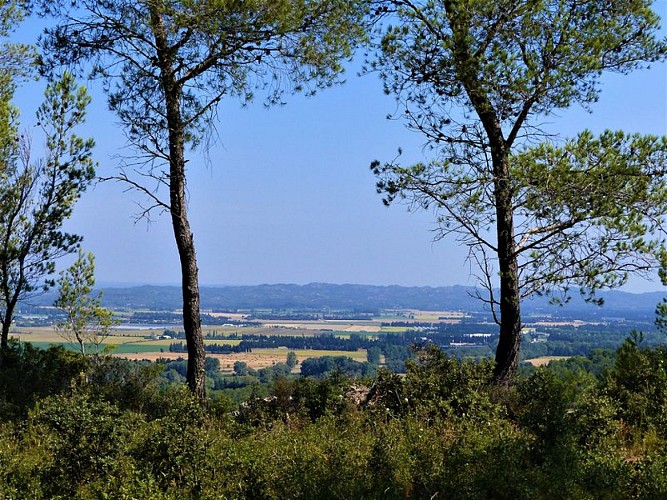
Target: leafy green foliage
{"x": 321, "y": 366}
{"x": 474, "y": 77}
{"x": 595, "y": 206}
{"x": 440, "y": 430}
{"x": 582, "y": 210}
{"x": 639, "y": 382}
{"x": 291, "y": 360}
{"x": 15, "y": 63}
{"x": 28, "y": 375}
{"x": 216, "y": 49}
{"x": 84, "y": 437}
{"x": 87, "y": 322}
{"x": 129, "y": 385}
{"x": 661, "y": 315}
{"x": 36, "y": 197}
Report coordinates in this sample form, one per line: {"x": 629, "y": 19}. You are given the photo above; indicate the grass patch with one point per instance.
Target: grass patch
{"x": 394, "y": 329}
{"x": 136, "y": 348}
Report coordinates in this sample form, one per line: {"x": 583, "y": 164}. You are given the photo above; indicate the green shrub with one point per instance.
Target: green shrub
{"x": 85, "y": 436}
{"x": 28, "y": 374}
{"x": 437, "y": 386}
{"x": 638, "y": 381}
{"x": 172, "y": 448}
{"x": 23, "y": 462}
{"x": 131, "y": 385}
{"x": 325, "y": 459}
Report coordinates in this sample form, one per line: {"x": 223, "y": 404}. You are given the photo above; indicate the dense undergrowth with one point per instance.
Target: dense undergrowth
{"x": 107, "y": 428}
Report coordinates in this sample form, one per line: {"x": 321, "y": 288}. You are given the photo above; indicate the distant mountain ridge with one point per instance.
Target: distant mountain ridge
{"x": 286, "y": 296}
{"x": 361, "y": 298}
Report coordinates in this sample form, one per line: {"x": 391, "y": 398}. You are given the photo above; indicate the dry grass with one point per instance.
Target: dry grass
{"x": 324, "y": 326}
{"x": 258, "y": 358}
{"x": 545, "y": 360}
{"x": 49, "y": 334}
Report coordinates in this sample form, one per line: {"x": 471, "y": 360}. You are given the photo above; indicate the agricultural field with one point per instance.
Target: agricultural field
{"x": 257, "y": 359}
{"x": 545, "y": 360}
{"x": 134, "y": 344}
{"x": 262, "y": 338}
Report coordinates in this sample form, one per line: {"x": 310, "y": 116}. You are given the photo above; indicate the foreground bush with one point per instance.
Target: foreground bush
{"x": 440, "y": 431}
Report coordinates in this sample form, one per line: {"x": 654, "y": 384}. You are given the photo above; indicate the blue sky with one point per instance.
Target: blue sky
{"x": 287, "y": 196}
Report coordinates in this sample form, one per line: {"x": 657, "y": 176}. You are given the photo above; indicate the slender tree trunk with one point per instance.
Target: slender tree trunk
{"x": 467, "y": 67}
{"x": 196, "y": 376}
{"x": 81, "y": 344}
{"x": 507, "y": 352}
{"x": 186, "y": 250}
{"x": 7, "y": 323}
{"x": 4, "y": 340}
{"x": 7, "y": 297}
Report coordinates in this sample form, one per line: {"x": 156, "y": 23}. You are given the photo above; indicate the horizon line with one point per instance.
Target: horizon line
{"x": 122, "y": 284}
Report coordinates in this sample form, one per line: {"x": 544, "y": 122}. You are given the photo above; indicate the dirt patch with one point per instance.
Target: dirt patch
{"x": 362, "y": 328}
{"x": 545, "y": 360}
{"x": 255, "y": 361}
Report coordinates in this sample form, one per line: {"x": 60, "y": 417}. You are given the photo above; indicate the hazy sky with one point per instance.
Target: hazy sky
{"x": 287, "y": 195}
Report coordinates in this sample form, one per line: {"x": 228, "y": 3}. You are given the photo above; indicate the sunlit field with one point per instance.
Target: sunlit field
{"x": 133, "y": 344}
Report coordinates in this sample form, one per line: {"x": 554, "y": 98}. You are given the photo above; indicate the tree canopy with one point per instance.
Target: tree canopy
{"x": 38, "y": 194}
{"x": 209, "y": 50}
{"x": 166, "y": 64}
{"x": 538, "y": 213}
{"x": 86, "y": 322}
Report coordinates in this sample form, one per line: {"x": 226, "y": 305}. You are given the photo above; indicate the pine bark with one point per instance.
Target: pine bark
{"x": 507, "y": 352}
{"x": 4, "y": 340}
{"x": 10, "y": 306}
{"x": 196, "y": 376}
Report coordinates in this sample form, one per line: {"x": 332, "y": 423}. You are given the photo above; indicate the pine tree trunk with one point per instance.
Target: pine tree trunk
{"x": 196, "y": 376}
{"x": 186, "y": 251}
{"x": 7, "y": 320}
{"x": 4, "y": 340}
{"x": 467, "y": 69}
{"x": 507, "y": 352}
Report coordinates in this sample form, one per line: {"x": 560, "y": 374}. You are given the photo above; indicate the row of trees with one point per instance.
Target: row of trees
{"x": 473, "y": 76}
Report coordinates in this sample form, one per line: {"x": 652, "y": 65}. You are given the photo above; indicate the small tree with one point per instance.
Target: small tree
{"x": 292, "y": 360}
{"x": 240, "y": 368}
{"x": 86, "y": 322}
{"x": 475, "y": 77}
{"x": 36, "y": 197}
{"x": 373, "y": 355}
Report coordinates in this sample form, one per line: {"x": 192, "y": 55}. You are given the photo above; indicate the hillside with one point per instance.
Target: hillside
{"x": 362, "y": 298}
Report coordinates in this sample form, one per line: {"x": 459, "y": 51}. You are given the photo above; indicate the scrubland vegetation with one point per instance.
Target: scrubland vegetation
{"x": 96, "y": 427}
{"x": 540, "y": 214}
